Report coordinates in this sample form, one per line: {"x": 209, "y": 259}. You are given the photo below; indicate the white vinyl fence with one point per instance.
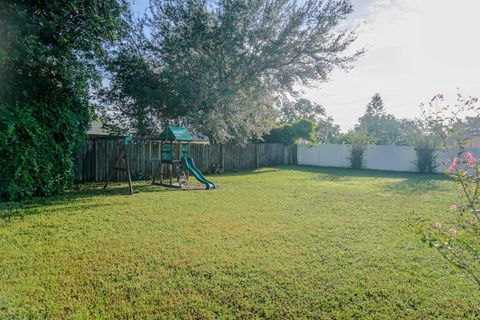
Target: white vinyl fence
{"x": 390, "y": 158}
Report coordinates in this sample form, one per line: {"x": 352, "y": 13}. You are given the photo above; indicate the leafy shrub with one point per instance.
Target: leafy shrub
{"x": 356, "y": 157}
{"x": 459, "y": 241}
{"x": 458, "y": 238}
{"x": 36, "y": 148}
{"x": 426, "y": 158}
{"x": 47, "y": 70}
{"x": 291, "y": 133}
{"x": 358, "y": 144}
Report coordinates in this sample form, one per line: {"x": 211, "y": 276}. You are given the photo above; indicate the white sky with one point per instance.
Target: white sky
{"x": 416, "y": 48}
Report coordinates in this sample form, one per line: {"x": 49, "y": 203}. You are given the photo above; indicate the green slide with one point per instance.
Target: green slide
{"x": 188, "y": 163}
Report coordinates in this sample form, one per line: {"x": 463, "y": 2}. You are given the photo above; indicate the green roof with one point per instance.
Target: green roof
{"x": 173, "y": 133}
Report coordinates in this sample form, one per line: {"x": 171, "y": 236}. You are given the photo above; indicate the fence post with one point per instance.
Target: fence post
{"x": 256, "y": 155}
{"x": 365, "y": 158}
{"x": 294, "y": 154}
{"x": 291, "y": 159}
{"x": 222, "y": 156}
{"x": 95, "y": 160}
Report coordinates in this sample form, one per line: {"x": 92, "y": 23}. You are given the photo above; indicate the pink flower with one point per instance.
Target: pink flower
{"x": 471, "y": 161}
{"x": 453, "y": 166}
{"x": 453, "y": 206}
{"x": 437, "y": 225}
{"x": 453, "y": 232}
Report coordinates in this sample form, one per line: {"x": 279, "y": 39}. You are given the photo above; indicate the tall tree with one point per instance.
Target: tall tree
{"x": 226, "y": 63}
{"x": 375, "y": 108}
{"x": 291, "y": 111}
{"x": 134, "y": 100}
{"x": 327, "y": 130}
{"x": 409, "y": 132}
{"x": 48, "y": 59}
{"x": 377, "y": 123}
{"x": 293, "y": 132}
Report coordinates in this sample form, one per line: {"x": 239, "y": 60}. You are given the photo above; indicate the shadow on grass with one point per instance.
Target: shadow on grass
{"x": 86, "y": 193}
{"x": 407, "y": 183}
{"x": 339, "y": 173}
{"x": 248, "y": 172}
{"x": 418, "y": 185}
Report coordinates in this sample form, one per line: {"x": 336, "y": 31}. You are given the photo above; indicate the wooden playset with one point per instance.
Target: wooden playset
{"x": 175, "y": 161}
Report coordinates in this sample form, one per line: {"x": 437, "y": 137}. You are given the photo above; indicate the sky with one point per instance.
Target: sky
{"x": 414, "y": 50}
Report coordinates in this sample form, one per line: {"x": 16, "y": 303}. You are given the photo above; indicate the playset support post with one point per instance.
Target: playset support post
{"x": 122, "y": 154}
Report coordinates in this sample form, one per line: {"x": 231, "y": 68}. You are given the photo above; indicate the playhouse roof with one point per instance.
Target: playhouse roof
{"x": 174, "y": 133}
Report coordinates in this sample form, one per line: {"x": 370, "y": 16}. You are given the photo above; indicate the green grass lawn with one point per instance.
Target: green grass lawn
{"x": 287, "y": 242}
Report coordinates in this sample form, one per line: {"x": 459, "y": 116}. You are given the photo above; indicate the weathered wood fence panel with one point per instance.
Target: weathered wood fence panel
{"x": 97, "y": 155}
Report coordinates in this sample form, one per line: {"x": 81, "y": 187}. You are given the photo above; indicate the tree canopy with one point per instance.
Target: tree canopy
{"x": 377, "y": 123}
{"x": 291, "y": 111}
{"x": 224, "y": 65}
{"x": 49, "y": 54}
{"x": 375, "y": 108}
{"x": 293, "y": 132}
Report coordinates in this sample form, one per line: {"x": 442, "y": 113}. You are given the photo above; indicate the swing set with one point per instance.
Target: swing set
{"x": 174, "y": 161}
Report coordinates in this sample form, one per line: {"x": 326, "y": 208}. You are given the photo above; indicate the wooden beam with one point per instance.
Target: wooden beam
{"x": 129, "y": 176}
{"x": 121, "y": 155}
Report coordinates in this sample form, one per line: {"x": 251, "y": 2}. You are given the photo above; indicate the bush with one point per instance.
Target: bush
{"x": 356, "y": 157}
{"x": 426, "y": 158}
{"x": 358, "y": 144}
{"x": 37, "y": 147}
{"x": 457, "y": 238}
{"x": 292, "y": 132}
{"x": 48, "y": 64}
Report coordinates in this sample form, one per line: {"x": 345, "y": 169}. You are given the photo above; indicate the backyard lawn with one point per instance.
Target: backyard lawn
{"x": 284, "y": 242}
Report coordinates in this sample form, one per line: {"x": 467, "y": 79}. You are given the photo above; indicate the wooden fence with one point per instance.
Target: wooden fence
{"x": 96, "y": 157}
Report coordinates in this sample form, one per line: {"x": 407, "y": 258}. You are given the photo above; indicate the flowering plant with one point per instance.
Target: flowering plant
{"x": 458, "y": 240}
